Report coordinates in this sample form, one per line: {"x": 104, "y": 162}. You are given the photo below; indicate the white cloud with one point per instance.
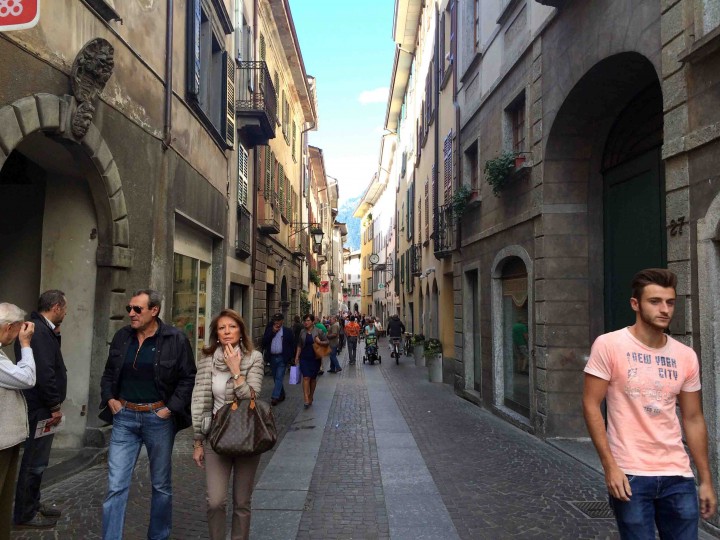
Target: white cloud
{"x": 379, "y": 95}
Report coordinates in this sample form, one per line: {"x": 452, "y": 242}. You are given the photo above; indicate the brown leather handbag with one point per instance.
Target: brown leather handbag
{"x": 244, "y": 427}
{"x": 321, "y": 350}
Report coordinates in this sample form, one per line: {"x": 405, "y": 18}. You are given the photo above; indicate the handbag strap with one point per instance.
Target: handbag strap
{"x": 252, "y": 394}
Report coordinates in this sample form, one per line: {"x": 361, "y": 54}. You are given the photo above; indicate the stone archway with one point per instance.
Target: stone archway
{"x": 47, "y": 115}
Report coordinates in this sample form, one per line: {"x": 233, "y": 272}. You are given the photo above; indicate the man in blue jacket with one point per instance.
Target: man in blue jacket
{"x": 44, "y": 403}
{"x": 146, "y": 391}
{"x": 279, "y": 343}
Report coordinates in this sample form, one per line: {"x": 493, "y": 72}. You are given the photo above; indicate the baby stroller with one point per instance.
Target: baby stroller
{"x": 371, "y": 350}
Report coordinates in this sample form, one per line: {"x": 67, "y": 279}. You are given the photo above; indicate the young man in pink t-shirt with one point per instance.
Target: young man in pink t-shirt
{"x": 642, "y": 373}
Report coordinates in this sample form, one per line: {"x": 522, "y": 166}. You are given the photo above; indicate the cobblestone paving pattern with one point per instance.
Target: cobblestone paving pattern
{"x": 346, "y": 499}
{"x": 495, "y": 480}
{"x": 80, "y": 497}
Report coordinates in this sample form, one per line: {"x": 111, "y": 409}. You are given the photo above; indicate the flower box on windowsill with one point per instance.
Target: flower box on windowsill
{"x": 474, "y": 199}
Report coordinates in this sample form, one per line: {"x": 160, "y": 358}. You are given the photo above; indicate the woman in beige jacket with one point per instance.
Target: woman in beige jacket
{"x": 228, "y": 368}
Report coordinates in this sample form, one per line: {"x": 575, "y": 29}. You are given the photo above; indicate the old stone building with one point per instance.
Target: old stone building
{"x": 116, "y": 142}
{"x": 610, "y": 111}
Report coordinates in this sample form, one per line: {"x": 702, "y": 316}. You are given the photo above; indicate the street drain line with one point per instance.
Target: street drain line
{"x": 593, "y": 509}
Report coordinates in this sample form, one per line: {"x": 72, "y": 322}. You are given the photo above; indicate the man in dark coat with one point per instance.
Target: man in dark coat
{"x": 279, "y": 343}
{"x": 44, "y": 403}
{"x": 146, "y": 391}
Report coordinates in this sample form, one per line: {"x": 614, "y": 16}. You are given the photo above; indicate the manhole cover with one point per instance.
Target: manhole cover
{"x": 594, "y": 509}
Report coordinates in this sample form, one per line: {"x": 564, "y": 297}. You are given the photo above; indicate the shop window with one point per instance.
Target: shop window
{"x": 191, "y": 299}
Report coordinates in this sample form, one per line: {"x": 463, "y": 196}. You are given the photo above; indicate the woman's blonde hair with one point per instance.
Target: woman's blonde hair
{"x": 245, "y": 343}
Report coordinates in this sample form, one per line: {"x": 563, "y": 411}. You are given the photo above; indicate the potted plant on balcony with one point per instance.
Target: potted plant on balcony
{"x": 498, "y": 171}
{"x": 417, "y": 340}
{"x": 433, "y": 358}
{"x": 459, "y": 201}
{"x": 314, "y": 277}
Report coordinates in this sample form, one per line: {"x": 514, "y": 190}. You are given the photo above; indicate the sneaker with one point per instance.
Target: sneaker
{"x": 49, "y": 511}
{"x": 37, "y": 522}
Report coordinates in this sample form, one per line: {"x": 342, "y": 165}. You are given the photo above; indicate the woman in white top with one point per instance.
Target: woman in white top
{"x": 228, "y": 368}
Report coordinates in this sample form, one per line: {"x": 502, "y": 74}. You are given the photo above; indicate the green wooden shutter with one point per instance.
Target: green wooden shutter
{"x": 228, "y": 99}
{"x": 268, "y": 172}
{"x": 242, "y": 187}
{"x": 281, "y": 188}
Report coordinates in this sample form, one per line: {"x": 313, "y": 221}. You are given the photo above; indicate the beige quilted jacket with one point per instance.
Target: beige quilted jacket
{"x": 202, "y": 398}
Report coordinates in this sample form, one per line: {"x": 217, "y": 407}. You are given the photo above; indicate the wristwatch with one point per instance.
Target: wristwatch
{"x": 236, "y": 377}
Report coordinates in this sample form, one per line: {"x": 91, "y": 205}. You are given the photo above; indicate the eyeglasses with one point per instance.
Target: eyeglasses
{"x": 136, "y": 309}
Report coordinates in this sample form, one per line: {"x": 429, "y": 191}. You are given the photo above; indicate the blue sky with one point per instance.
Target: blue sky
{"x": 347, "y": 46}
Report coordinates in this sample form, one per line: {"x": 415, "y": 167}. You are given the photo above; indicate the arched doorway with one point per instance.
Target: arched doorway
{"x": 601, "y": 157}
{"x": 64, "y": 225}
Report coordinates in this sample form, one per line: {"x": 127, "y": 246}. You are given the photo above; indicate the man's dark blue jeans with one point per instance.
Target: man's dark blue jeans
{"x": 668, "y": 502}
{"x": 278, "y": 367}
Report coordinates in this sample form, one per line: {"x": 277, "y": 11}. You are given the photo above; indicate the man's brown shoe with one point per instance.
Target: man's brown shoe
{"x": 274, "y": 401}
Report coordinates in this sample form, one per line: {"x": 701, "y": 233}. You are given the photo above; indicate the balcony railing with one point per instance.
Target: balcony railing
{"x": 444, "y": 233}
{"x": 256, "y": 104}
{"x": 416, "y": 259}
{"x": 242, "y": 244}
{"x": 300, "y": 244}
{"x": 269, "y": 221}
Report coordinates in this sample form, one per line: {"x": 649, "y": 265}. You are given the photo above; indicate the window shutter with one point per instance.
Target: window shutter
{"x": 229, "y": 99}
{"x": 262, "y": 48}
{"x": 281, "y": 188}
{"x": 288, "y": 201}
{"x": 427, "y": 209}
{"x": 242, "y": 187}
{"x": 193, "y": 39}
{"x": 447, "y": 166}
{"x": 268, "y": 172}
{"x": 294, "y": 130}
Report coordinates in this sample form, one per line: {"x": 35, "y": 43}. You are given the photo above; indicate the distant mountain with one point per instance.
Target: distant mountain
{"x": 345, "y": 215}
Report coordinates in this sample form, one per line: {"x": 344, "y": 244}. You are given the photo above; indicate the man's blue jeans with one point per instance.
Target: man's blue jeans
{"x": 334, "y": 364}
{"x": 278, "y": 367}
{"x": 130, "y": 430}
{"x": 668, "y": 502}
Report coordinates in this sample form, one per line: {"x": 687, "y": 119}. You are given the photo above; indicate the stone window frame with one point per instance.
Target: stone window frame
{"x": 496, "y": 317}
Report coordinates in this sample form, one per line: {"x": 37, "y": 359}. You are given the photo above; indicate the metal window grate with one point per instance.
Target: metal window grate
{"x": 593, "y": 509}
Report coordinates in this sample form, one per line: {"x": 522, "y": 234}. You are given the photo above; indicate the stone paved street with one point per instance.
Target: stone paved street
{"x": 397, "y": 454}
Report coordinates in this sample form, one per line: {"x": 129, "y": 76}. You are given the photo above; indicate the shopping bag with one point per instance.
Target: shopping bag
{"x": 294, "y": 375}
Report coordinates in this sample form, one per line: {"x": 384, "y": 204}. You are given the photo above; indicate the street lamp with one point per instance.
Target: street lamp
{"x": 317, "y": 236}
{"x": 331, "y": 276}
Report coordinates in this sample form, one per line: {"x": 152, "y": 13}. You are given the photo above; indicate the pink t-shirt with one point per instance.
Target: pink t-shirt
{"x": 643, "y": 428}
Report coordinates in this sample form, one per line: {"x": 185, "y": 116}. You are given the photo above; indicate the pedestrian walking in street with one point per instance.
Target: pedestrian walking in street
{"x": 279, "y": 343}
{"x": 325, "y": 360}
{"x": 334, "y": 338}
{"x": 146, "y": 390}
{"x": 228, "y": 369}
{"x": 297, "y": 327}
{"x": 44, "y": 402}
{"x": 642, "y": 373}
{"x": 13, "y": 409}
{"x": 352, "y": 331}
{"x": 341, "y": 323}
{"x": 305, "y": 356}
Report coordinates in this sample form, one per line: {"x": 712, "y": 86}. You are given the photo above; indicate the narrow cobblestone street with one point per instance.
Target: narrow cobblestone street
{"x": 398, "y": 457}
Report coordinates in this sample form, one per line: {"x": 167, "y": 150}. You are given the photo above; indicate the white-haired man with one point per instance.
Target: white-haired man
{"x": 13, "y": 412}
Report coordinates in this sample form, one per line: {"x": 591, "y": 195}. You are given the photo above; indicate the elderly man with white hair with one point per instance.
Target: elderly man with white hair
{"x": 13, "y": 410}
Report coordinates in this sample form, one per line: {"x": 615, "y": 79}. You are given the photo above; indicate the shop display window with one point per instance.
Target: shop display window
{"x": 191, "y": 299}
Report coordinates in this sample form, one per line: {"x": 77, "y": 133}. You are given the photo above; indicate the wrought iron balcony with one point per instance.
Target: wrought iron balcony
{"x": 444, "y": 231}
{"x": 256, "y": 104}
{"x": 269, "y": 220}
{"x": 416, "y": 259}
{"x": 242, "y": 242}
{"x": 300, "y": 244}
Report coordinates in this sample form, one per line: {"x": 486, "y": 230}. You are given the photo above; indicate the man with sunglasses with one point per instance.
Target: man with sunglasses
{"x": 146, "y": 391}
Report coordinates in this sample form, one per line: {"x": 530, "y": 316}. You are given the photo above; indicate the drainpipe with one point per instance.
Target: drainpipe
{"x": 167, "y": 128}
{"x": 436, "y": 98}
{"x": 253, "y": 257}
{"x": 457, "y": 156}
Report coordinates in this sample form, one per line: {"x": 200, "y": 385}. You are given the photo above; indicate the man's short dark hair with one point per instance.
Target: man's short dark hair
{"x": 652, "y": 276}
{"x": 154, "y": 297}
{"x": 278, "y": 317}
{"x": 51, "y": 298}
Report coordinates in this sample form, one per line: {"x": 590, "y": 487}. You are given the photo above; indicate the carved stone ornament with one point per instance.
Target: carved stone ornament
{"x": 91, "y": 70}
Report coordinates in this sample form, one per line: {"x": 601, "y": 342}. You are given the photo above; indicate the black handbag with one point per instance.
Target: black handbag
{"x": 244, "y": 427}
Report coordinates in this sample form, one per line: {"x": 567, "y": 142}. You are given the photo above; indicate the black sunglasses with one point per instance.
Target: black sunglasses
{"x": 136, "y": 309}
